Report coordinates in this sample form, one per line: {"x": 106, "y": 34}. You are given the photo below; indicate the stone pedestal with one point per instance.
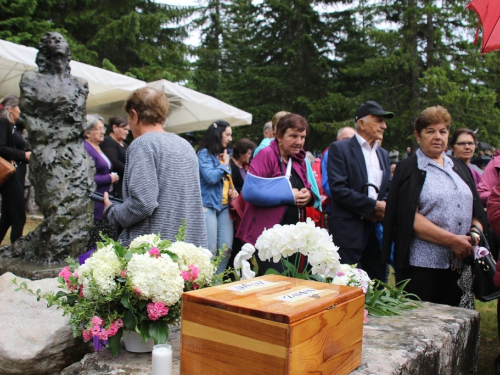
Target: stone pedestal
{"x": 437, "y": 339}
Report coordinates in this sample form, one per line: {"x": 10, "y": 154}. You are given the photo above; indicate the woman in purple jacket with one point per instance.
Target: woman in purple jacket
{"x": 104, "y": 179}
{"x": 272, "y": 161}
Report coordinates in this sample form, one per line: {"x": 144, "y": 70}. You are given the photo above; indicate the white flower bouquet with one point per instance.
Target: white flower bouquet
{"x": 281, "y": 241}
{"x": 138, "y": 289}
{"x": 349, "y": 275}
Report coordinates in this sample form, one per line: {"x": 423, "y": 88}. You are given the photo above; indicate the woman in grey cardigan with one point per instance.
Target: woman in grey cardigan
{"x": 161, "y": 185}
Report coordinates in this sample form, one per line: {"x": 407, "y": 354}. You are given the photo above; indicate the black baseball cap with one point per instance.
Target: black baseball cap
{"x": 371, "y": 108}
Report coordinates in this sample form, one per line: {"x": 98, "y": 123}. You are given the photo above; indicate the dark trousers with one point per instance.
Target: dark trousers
{"x": 13, "y": 205}
{"x": 433, "y": 285}
{"x": 368, "y": 259}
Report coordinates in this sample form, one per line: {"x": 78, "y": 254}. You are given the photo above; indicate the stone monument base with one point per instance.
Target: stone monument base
{"x": 437, "y": 339}
{"x": 30, "y": 270}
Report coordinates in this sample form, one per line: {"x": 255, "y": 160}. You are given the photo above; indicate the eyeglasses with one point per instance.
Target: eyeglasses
{"x": 463, "y": 144}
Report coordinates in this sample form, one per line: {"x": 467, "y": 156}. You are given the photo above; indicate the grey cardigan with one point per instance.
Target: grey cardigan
{"x": 161, "y": 188}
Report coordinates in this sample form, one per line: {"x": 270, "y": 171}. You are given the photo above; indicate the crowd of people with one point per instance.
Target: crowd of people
{"x": 420, "y": 213}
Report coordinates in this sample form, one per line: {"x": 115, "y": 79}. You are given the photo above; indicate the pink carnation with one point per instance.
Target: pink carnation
{"x": 192, "y": 274}
{"x": 112, "y": 330}
{"x": 154, "y": 251}
{"x": 87, "y": 335}
{"x": 96, "y": 321}
{"x": 95, "y": 330}
{"x": 123, "y": 274}
{"x": 103, "y": 335}
{"x": 156, "y": 310}
{"x": 186, "y": 275}
{"x": 195, "y": 271}
{"x": 65, "y": 273}
{"x": 81, "y": 290}
{"x": 137, "y": 291}
{"x": 119, "y": 322}
{"x": 195, "y": 286}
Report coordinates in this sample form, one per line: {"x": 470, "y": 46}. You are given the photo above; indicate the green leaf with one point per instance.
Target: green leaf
{"x": 272, "y": 271}
{"x": 114, "y": 342}
{"x": 126, "y": 302}
{"x": 317, "y": 278}
{"x": 144, "y": 330}
{"x": 159, "y": 331}
{"x": 130, "y": 320}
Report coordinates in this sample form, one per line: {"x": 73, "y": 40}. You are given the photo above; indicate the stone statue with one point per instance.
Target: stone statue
{"x": 53, "y": 108}
{"x": 241, "y": 262}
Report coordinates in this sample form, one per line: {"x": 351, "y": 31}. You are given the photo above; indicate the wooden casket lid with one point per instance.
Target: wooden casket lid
{"x": 274, "y": 297}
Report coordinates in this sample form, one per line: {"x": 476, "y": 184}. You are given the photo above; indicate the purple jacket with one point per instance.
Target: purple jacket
{"x": 489, "y": 178}
{"x": 266, "y": 164}
{"x": 101, "y": 178}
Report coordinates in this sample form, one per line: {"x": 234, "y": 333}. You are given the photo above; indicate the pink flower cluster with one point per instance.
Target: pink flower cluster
{"x": 66, "y": 274}
{"x": 192, "y": 274}
{"x": 154, "y": 252}
{"x": 157, "y": 310}
{"x": 98, "y": 330}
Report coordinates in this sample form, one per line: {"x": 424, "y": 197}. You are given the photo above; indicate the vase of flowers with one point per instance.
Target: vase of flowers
{"x": 136, "y": 289}
{"x": 135, "y": 344}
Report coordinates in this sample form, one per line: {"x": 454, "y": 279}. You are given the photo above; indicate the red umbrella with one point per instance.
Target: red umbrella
{"x": 488, "y": 12}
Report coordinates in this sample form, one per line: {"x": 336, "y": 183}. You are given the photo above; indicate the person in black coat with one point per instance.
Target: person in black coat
{"x": 115, "y": 148}
{"x": 432, "y": 204}
{"x": 12, "y": 148}
{"x": 242, "y": 151}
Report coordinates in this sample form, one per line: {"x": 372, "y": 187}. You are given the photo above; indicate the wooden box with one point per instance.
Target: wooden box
{"x": 272, "y": 325}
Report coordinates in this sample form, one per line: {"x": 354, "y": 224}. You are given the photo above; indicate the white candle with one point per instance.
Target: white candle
{"x": 162, "y": 360}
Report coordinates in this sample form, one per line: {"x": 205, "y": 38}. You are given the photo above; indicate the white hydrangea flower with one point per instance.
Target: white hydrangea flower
{"x": 158, "y": 279}
{"x": 304, "y": 237}
{"x": 190, "y": 254}
{"x": 151, "y": 239}
{"x": 351, "y": 276}
{"x": 103, "y": 266}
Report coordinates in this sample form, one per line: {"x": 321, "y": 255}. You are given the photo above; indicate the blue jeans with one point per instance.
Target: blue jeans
{"x": 220, "y": 231}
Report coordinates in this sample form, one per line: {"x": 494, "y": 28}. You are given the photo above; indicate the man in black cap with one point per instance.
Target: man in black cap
{"x": 359, "y": 175}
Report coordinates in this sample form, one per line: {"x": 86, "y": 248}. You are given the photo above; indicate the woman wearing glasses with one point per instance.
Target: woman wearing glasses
{"x": 463, "y": 146}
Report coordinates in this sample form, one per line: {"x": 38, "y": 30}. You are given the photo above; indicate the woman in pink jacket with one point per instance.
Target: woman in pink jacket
{"x": 272, "y": 161}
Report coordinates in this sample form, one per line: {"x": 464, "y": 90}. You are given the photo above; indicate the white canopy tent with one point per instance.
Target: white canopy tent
{"x": 106, "y": 89}
{"x": 189, "y": 110}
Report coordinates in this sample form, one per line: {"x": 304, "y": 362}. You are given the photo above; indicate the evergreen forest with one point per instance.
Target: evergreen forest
{"x": 320, "y": 59}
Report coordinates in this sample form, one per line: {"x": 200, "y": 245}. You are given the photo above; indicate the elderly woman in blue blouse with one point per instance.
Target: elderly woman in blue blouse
{"x": 215, "y": 190}
{"x": 432, "y": 206}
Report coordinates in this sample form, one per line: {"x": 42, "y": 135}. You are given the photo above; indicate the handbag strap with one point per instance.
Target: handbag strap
{"x": 288, "y": 167}
{"x": 231, "y": 184}
{"x": 482, "y": 238}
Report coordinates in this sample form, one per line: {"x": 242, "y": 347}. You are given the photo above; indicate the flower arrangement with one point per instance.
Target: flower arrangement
{"x": 323, "y": 264}
{"x": 349, "y": 275}
{"x": 137, "y": 289}
{"x": 281, "y": 241}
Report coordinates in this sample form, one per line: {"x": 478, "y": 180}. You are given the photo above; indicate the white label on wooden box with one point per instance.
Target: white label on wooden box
{"x": 298, "y": 294}
{"x": 251, "y": 286}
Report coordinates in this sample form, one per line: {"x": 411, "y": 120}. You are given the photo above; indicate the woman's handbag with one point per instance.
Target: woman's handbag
{"x": 236, "y": 206}
{"x": 483, "y": 270}
{"x": 7, "y": 169}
